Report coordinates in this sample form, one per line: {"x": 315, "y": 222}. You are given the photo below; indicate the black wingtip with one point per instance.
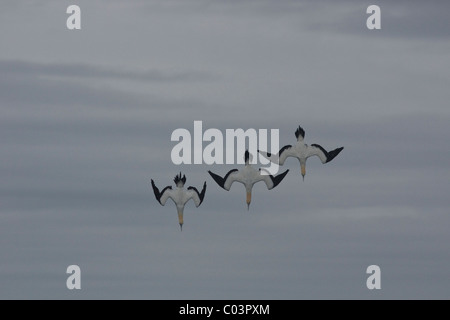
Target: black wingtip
{"x": 218, "y": 179}
{"x": 202, "y": 194}
{"x": 277, "y": 179}
{"x": 332, "y": 154}
{"x": 156, "y": 191}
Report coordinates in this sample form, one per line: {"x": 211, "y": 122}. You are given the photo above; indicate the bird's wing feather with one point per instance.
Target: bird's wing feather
{"x": 230, "y": 177}
{"x": 163, "y": 195}
{"x": 226, "y": 181}
{"x": 278, "y": 158}
{"x": 317, "y": 150}
{"x": 197, "y": 196}
{"x": 325, "y": 156}
{"x": 271, "y": 181}
{"x": 284, "y": 153}
{"x": 166, "y": 194}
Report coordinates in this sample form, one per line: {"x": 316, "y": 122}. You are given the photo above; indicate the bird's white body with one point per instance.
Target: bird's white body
{"x": 248, "y": 176}
{"x": 179, "y": 196}
{"x": 301, "y": 151}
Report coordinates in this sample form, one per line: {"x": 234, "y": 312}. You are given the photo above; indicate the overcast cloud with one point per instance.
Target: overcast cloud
{"x": 86, "y": 119}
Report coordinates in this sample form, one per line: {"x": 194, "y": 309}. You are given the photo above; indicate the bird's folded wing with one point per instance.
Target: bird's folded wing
{"x": 284, "y": 153}
{"x": 163, "y": 195}
{"x": 225, "y": 182}
{"x": 333, "y": 153}
{"x": 325, "y": 156}
{"x": 197, "y": 196}
{"x": 280, "y": 157}
{"x": 272, "y": 181}
{"x": 317, "y": 150}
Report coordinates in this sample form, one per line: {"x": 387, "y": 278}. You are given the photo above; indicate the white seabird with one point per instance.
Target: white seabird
{"x": 301, "y": 151}
{"x": 179, "y": 196}
{"x": 248, "y": 176}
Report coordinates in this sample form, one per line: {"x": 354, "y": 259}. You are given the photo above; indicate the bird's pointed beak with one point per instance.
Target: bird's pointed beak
{"x": 249, "y": 199}
{"x": 180, "y": 219}
{"x": 303, "y": 172}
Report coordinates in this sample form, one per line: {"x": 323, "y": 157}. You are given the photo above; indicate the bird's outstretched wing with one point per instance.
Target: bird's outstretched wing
{"x": 271, "y": 181}
{"x": 226, "y": 181}
{"x": 280, "y": 157}
{"x": 325, "y": 156}
{"x": 163, "y": 195}
{"x": 196, "y": 196}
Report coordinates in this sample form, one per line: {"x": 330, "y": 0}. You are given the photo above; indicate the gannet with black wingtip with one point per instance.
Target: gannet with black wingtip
{"x": 180, "y": 196}
{"x": 247, "y": 176}
{"x": 301, "y": 151}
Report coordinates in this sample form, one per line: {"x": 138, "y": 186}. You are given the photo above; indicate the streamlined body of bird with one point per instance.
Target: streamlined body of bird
{"x": 179, "y": 196}
{"x": 248, "y": 176}
{"x": 301, "y": 151}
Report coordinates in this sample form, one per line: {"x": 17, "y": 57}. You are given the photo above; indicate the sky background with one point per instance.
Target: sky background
{"x": 86, "y": 118}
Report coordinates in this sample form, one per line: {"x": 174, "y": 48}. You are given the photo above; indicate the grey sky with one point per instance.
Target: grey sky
{"x": 86, "y": 118}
